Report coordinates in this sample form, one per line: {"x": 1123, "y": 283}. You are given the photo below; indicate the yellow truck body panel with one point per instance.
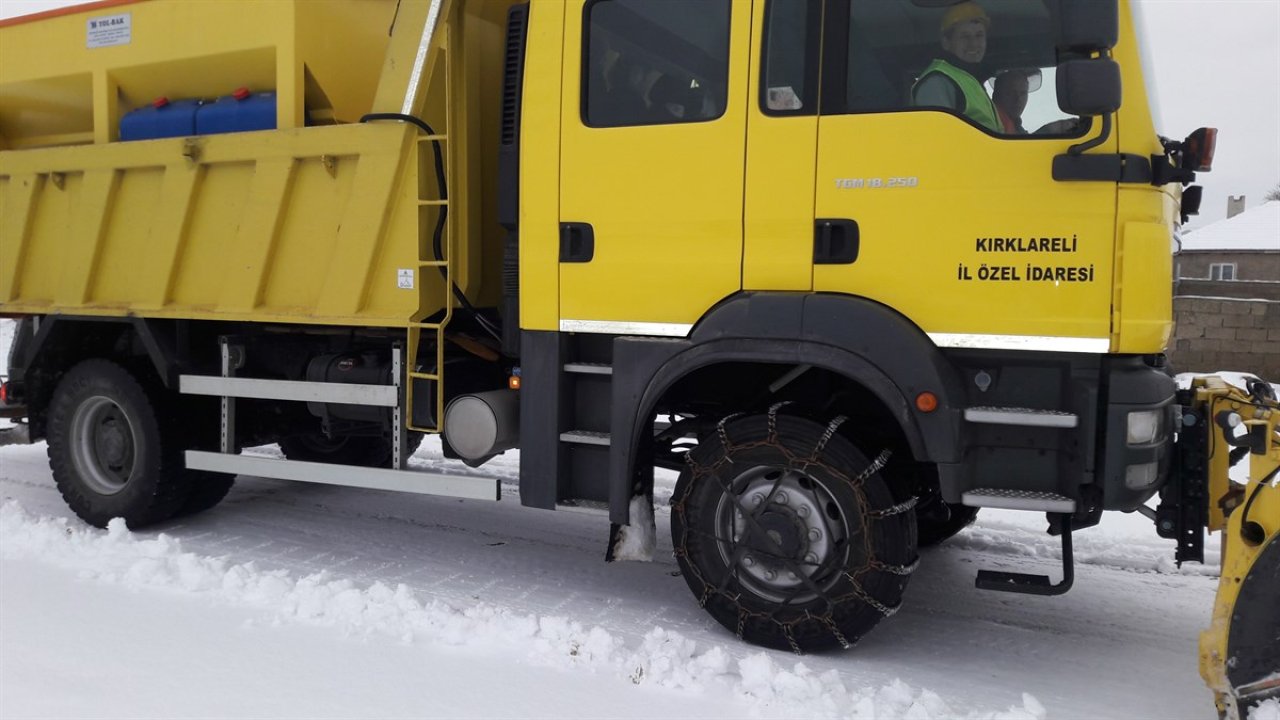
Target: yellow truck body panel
{"x": 320, "y": 221}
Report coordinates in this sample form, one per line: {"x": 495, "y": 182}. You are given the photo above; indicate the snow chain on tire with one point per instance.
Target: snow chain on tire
{"x": 865, "y": 588}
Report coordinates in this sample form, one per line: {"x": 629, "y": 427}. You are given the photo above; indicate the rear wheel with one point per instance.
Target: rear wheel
{"x": 788, "y": 536}
{"x": 108, "y": 454}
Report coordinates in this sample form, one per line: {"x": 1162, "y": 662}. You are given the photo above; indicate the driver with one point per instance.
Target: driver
{"x": 953, "y": 79}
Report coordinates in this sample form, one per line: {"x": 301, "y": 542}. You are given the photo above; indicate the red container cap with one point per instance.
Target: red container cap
{"x": 241, "y": 93}
{"x": 160, "y": 102}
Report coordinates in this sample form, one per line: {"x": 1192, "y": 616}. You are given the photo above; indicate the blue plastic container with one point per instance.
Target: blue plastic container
{"x": 162, "y": 119}
{"x": 240, "y": 112}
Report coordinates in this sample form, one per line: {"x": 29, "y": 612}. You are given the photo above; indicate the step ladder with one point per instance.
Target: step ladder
{"x": 399, "y": 395}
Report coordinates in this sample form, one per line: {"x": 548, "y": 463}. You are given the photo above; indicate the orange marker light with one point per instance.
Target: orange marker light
{"x": 513, "y": 382}
{"x": 926, "y": 402}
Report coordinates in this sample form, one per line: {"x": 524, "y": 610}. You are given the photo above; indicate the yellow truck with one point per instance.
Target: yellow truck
{"x": 805, "y": 252}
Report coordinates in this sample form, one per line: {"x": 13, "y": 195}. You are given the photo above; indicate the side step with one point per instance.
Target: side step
{"x": 422, "y": 483}
{"x": 1026, "y": 417}
{"x": 585, "y": 437}
{"x": 1007, "y": 499}
{"x": 1027, "y": 584}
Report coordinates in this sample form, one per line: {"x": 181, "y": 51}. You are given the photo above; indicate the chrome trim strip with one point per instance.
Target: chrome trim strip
{"x": 415, "y": 78}
{"x": 1041, "y": 343}
{"x": 613, "y": 327}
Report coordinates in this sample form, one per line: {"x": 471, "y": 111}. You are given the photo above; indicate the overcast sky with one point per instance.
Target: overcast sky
{"x": 1217, "y": 64}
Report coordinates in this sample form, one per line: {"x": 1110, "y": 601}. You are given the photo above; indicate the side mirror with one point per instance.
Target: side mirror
{"x": 1089, "y": 25}
{"x": 1089, "y": 87}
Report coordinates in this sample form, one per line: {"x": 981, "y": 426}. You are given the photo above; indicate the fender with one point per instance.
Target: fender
{"x": 855, "y": 337}
{"x": 29, "y": 346}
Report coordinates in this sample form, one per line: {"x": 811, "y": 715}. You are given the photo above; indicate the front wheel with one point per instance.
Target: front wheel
{"x": 788, "y": 536}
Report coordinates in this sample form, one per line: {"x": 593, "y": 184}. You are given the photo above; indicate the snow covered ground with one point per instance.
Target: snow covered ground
{"x": 294, "y": 600}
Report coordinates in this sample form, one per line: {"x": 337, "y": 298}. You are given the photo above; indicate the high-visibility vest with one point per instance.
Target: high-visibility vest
{"x": 977, "y": 105}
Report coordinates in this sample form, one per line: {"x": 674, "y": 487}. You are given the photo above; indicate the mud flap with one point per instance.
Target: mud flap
{"x": 636, "y": 540}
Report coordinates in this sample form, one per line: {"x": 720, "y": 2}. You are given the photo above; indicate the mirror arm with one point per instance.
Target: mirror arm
{"x": 1094, "y": 142}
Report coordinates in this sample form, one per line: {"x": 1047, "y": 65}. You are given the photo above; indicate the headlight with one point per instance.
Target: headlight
{"x": 1145, "y": 426}
{"x": 1141, "y": 477}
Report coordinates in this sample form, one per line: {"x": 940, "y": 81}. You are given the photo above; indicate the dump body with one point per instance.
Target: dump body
{"x": 324, "y": 220}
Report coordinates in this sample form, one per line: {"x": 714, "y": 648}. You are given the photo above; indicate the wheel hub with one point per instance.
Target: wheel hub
{"x": 791, "y": 530}
{"x": 102, "y": 445}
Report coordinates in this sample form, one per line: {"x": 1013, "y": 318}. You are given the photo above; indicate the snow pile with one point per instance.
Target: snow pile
{"x": 1266, "y": 710}
{"x": 1132, "y": 554}
{"x": 825, "y": 695}
{"x": 663, "y": 658}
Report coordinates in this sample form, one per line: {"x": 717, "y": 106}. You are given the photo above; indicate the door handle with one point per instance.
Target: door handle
{"x": 577, "y": 242}
{"x": 835, "y": 241}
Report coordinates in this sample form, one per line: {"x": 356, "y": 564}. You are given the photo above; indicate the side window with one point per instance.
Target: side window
{"x": 991, "y": 64}
{"x": 655, "y": 62}
{"x": 791, "y": 41}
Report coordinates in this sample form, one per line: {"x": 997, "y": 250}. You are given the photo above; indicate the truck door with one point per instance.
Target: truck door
{"x": 651, "y": 185}
{"x": 956, "y": 223}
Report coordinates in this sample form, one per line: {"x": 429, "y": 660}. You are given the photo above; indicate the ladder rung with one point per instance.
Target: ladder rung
{"x": 423, "y": 376}
{"x": 432, "y": 138}
{"x": 433, "y": 203}
{"x": 434, "y": 263}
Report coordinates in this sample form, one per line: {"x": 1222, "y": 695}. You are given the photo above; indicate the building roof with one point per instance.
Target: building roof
{"x": 1255, "y": 229}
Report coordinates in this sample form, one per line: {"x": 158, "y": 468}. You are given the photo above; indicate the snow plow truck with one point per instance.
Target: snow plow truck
{"x": 732, "y": 238}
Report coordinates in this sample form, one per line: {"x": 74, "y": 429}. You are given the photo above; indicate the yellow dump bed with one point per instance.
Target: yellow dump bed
{"x": 323, "y": 220}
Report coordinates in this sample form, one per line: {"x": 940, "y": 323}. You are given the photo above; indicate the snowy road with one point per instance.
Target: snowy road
{"x": 498, "y": 607}
{"x": 296, "y": 600}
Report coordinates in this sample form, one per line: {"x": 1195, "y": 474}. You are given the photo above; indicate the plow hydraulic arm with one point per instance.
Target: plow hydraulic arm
{"x": 1221, "y": 425}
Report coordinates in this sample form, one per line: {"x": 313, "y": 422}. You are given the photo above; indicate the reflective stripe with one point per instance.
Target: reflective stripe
{"x": 415, "y": 78}
{"x": 613, "y": 327}
{"x": 1038, "y": 343}
{"x": 978, "y": 106}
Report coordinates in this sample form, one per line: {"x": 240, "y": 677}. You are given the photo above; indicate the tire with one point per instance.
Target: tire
{"x": 822, "y": 554}
{"x": 345, "y": 450}
{"x": 108, "y": 454}
{"x": 933, "y": 531}
{"x": 207, "y": 489}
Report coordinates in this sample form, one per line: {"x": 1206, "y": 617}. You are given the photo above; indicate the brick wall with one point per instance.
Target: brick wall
{"x": 1226, "y": 334}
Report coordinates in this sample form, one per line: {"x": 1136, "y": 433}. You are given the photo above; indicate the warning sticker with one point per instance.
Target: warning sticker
{"x": 109, "y": 30}
{"x": 404, "y": 278}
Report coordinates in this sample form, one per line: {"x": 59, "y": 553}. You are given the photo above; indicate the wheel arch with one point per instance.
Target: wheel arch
{"x": 46, "y": 347}
{"x": 855, "y": 338}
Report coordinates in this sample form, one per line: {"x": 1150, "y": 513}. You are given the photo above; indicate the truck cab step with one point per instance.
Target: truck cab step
{"x": 1009, "y": 499}
{"x": 585, "y": 437}
{"x": 1026, "y": 584}
{"x": 586, "y": 368}
{"x": 1026, "y": 417}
